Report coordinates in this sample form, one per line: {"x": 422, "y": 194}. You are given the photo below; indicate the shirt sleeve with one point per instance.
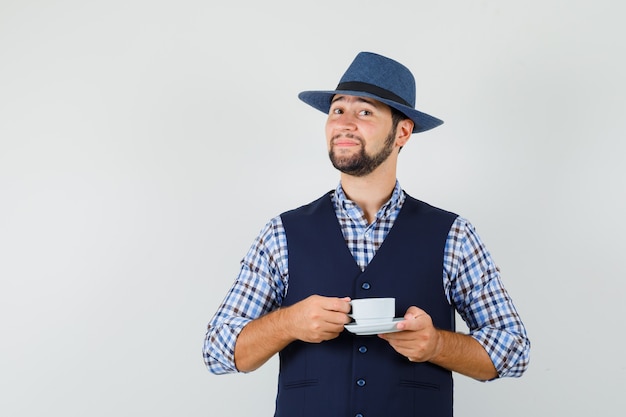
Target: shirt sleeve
{"x": 259, "y": 289}
{"x": 474, "y": 288}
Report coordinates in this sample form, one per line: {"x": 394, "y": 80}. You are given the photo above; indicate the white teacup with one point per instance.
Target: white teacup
{"x": 373, "y": 310}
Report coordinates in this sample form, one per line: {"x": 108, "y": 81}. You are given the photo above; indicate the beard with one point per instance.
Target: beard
{"x": 360, "y": 163}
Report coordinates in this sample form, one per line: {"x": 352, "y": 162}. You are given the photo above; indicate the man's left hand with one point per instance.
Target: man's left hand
{"x": 418, "y": 339}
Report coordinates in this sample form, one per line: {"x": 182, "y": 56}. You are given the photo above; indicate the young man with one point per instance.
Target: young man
{"x": 368, "y": 238}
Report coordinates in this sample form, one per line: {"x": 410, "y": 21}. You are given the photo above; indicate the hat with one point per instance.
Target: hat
{"x": 381, "y": 78}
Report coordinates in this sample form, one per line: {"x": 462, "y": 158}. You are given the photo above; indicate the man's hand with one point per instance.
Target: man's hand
{"x": 316, "y": 318}
{"x": 418, "y": 339}
{"x": 313, "y": 319}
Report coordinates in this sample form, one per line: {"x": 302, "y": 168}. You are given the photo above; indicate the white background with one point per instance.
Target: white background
{"x": 143, "y": 144}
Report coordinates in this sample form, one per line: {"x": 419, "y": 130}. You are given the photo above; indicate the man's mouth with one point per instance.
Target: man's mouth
{"x": 346, "y": 141}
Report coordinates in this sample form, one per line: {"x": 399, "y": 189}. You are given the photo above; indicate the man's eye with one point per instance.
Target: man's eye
{"x": 365, "y": 112}
{"x": 336, "y": 111}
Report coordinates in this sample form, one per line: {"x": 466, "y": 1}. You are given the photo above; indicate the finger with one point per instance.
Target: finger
{"x": 404, "y": 347}
{"x": 414, "y": 324}
{"x": 410, "y": 323}
{"x": 338, "y": 318}
{"x": 341, "y": 305}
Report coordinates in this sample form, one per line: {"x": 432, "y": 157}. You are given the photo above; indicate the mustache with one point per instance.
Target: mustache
{"x": 348, "y": 136}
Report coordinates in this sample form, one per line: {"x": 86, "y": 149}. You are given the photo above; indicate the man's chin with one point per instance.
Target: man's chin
{"x": 355, "y": 171}
{"x": 345, "y": 165}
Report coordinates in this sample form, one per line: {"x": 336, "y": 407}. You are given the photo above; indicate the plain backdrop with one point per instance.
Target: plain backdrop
{"x": 143, "y": 145}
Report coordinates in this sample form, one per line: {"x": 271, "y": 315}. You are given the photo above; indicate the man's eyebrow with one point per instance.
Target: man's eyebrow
{"x": 367, "y": 100}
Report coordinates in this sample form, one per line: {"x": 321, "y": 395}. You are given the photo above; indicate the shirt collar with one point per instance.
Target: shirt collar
{"x": 395, "y": 202}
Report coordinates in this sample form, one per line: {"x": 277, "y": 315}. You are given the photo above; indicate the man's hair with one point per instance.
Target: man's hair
{"x": 397, "y": 116}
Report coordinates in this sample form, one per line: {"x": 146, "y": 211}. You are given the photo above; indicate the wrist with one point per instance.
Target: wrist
{"x": 283, "y": 325}
{"x": 439, "y": 345}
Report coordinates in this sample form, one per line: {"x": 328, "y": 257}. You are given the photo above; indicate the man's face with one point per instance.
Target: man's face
{"x": 360, "y": 134}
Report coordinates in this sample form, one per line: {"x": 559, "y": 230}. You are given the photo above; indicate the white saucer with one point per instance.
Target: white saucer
{"x": 374, "y": 328}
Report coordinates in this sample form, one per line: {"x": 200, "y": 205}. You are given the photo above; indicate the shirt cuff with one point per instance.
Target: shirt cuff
{"x": 219, "y": 345}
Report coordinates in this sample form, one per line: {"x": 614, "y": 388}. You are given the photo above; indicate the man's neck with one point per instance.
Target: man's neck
{"x": 369, "y": 192}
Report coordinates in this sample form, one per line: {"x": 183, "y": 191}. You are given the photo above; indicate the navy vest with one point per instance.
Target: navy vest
{"x": 362, "y": 375}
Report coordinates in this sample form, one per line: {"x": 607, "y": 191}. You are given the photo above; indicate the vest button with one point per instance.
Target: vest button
{"x": 359, "y": 415}
{"x": 360, "y": 382}
{"x": 363, "y": 349}
{"x": 366, "y": 286}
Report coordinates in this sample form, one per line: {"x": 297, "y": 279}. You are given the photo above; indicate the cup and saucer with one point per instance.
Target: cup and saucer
{"x": 373, "y": 316}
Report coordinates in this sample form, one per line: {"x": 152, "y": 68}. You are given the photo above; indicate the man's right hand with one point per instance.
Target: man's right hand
{"x": 316, "y": 318}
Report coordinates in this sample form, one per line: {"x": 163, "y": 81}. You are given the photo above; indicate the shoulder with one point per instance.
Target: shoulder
{"x": 463, "y": 238}
{"x": 421, "y": 207}
{"x": 308, "y": 209}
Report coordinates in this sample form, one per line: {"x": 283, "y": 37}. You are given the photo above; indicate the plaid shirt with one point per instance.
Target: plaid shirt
{"x": 471, "y": 282}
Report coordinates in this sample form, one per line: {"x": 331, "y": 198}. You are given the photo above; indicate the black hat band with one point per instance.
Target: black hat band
{"x": 372, "y": 89}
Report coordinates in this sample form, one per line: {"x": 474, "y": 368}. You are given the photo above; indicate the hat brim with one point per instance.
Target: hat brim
{"x": 321, "y": 101}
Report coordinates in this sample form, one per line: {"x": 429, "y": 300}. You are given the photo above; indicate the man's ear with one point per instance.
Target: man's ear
{"x": 404, "y": 132}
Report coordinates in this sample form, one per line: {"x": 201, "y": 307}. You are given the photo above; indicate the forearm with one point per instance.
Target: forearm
{"x": 312, "y": 320}
{"x": 474, "y": 287}
{"x": 463, "y": 354}
{"x": 261, "y": 339}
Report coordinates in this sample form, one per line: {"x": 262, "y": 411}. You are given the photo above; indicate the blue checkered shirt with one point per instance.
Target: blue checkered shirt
{"x": 470, "y": 278}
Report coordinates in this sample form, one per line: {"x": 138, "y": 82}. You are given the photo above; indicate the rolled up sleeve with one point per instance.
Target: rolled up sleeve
{"x": 474, "y": 287}
{"x": 258, "y": 290}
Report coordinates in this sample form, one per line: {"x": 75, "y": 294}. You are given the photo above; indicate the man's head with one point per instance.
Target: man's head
{"x": 362, "y": 134}
{"x": 374, "y": 76}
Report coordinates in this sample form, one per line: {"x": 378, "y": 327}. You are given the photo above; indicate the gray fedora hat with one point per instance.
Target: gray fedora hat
{"x": 381, "y": 78}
